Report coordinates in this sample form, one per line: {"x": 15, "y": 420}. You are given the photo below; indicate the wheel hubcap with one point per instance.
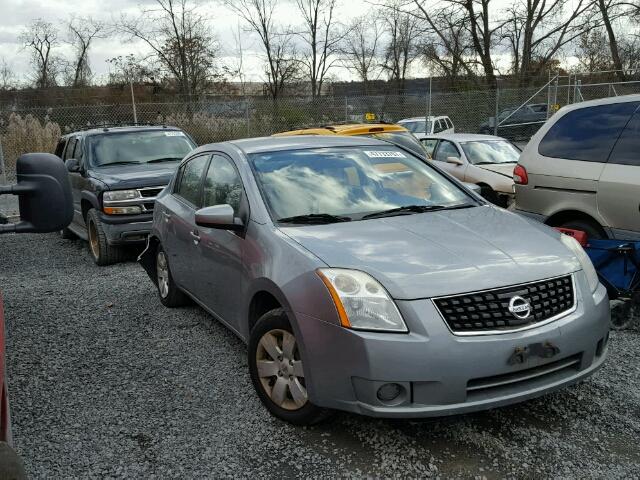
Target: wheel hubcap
{"x": 280, "y": 369}
{"x": 162, "y": 270}
{"x": 93, "y": 240}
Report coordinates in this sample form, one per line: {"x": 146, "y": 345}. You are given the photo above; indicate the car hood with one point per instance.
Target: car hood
{"x": 135, "y": 176}
{"x": 505, "y": 169}
{"x": 441, "y": 253}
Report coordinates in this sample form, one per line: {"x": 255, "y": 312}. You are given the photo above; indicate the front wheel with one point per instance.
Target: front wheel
{"x": 101, "y": 251}
{"x": 277, "y": 371}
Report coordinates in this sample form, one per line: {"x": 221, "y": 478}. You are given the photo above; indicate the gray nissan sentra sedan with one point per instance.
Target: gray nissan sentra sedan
{"x": 364, "y": 279}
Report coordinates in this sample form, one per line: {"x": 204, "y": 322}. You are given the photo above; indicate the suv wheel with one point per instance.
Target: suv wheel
{"x": 101, "y": 251}
{"x": 170, "y": 295}
{"x": 277, "y": 372}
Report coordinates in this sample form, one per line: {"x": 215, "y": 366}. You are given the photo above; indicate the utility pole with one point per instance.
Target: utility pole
{"x": 133, "y": 102}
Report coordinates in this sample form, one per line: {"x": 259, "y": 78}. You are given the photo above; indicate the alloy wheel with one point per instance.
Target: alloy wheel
{"x": 280, "y": 369}
{"x": 162, "y": 271}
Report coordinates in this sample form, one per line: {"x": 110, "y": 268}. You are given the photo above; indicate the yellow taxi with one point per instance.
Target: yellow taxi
{"x": 382, "y": 131}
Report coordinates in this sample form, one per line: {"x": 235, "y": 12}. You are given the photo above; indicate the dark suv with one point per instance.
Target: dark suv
{"x": 116, "y": 174}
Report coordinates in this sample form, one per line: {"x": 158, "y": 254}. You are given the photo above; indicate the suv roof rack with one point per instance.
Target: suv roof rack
{"x": 107, "y": 125}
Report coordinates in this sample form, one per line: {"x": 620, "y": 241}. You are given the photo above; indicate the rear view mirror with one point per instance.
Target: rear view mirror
{"x": 72, "y": 165}
{"x": 454, "y": 160}
{"x": 218, "y": 216}
{"x": 44, "y": 191}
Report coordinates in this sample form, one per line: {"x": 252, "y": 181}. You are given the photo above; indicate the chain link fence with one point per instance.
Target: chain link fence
{"x": 214, "y": 119}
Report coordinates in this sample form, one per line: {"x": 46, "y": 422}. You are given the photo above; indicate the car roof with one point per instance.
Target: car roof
{"x": 120, "y": 129}
{"x": 346, "y": 129}
{"x": 462, "y": 137}
{"x": 602, "y": 101}
{"x": 297, "y": 142}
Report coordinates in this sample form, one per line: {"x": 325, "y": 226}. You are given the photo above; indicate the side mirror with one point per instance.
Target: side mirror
{"x": 219, "y": 216}
{"x": 44, "y": 191}
{"x": 72, "y": 165}
{"x": 455, "y": 160}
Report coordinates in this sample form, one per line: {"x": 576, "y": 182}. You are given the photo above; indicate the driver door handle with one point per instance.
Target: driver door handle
{"x": 196, "y": 236}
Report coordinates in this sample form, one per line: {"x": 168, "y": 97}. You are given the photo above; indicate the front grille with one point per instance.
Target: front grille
{"x": 527, "y": 378}
{"x": 150, "y": 191}
{"x": 488, "y": 311}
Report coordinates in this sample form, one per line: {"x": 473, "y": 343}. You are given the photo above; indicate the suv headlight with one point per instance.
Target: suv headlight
{"x": 119, "y": 195}
{"x": 362, "y": 303}
{"x": 585, "y": 261}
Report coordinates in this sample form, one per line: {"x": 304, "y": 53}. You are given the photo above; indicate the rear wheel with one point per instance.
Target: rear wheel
{"x": 277, "y": 371}
{"x": 101, "y": 251}
{"x": 592, "y": 229}
{"x": 170, "y": 295}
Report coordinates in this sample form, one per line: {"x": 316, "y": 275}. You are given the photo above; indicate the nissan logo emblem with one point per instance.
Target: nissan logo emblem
{"x": 519, "y": 307}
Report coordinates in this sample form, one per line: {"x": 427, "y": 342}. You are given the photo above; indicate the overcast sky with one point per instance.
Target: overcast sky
{"x": 16, "y": 14}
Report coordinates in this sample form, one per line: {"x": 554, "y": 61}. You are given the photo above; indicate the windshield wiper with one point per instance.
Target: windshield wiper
{"x": 409, "y": 209}
{"x": 314, "y": 218}
{"x": 165, "y": 159}
{"x": 119, "y": 163}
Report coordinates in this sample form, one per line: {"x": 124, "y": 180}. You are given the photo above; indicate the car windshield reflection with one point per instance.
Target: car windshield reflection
{"x": 349, "y": 182}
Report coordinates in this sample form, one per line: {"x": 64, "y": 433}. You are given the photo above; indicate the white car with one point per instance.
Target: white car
{"x": 483, "y": 160}
{"x": 428, "y": 125}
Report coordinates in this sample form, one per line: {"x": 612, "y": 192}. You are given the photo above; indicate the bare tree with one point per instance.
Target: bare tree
{"x": 449, "y": 51}
{"x": 537, "y": 31}
{"x": 402, "y": 30}
{"x": 281, "y": 61}
{"x": 592, "y": 51}
{"x": 482, "y": 28}
{"x": 321, "y": 37}
{"x": 41, "y": 38}
{"x": 82, "y": 32}
{"x": 129, "y": 69}
{"x": 610, "y": 10}
{"x": 360, "y": 48}
{"x": 7, "y": 77}
{"x": 181, "y": 42}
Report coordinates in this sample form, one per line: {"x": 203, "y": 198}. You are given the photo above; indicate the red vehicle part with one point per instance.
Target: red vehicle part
{"x": 579, "y": 235}
{"x": 5, "y": 431}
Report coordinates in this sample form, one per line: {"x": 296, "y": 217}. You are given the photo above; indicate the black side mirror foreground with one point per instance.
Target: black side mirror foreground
{"x": 72, "y": 165}
{"x": 46, "y": 204}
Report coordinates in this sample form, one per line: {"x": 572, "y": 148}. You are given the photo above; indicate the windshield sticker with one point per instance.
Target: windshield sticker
{"x": 384, "y": 154}
{"x": 174, "y": 134}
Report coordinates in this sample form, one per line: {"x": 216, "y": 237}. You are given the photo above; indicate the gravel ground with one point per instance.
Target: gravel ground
{"x": 106, "y": 383}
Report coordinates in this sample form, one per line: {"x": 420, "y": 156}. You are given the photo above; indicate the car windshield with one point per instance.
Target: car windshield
{"x": 417, "y": 126}
{"x": 404, "y": 139}
{"x": 482, "y": 152}
{"x": 138, "y": 147}
{"x": 350, "y": 182}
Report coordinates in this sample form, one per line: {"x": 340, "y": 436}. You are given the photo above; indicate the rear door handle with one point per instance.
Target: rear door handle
{"x": 196, "y": 237}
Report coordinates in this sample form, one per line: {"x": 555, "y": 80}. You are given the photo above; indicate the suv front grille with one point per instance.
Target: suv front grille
{"x": 488, "y": 311}
{"x": 150, "y": 191}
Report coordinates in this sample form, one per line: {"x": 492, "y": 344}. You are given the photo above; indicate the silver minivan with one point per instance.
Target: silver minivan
{"x": 582, "y": 169}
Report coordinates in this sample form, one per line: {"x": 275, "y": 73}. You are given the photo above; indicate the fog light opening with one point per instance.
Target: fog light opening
{"x": 390, "y": 392}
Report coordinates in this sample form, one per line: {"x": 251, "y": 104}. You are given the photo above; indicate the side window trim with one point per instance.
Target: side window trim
{"x": 200, "y": 182}
{"x": 634, "y": 116}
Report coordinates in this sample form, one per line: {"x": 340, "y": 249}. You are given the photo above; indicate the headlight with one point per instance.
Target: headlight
{"x": 362, "y": 303}
{"x": 131, "y": 210}
{"x": 118, "y": 195}
{"x": 585, "y": 261}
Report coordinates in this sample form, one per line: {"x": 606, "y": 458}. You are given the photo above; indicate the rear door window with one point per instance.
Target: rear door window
{"x": 627, "y": 149}
{"x": 587, "y": 134}
{"x": 68, "y": 153}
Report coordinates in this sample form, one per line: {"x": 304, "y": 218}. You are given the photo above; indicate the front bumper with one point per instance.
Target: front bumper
{"x": 441, "y": 373}
{"x": 126, "y": 229}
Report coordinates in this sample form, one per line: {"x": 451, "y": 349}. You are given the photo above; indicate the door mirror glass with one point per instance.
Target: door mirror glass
{"x": 72, "y": 165}
{"x": 218, "y": 216}
{"x": 454, "y": 160}
{"x": 44, "y": 191}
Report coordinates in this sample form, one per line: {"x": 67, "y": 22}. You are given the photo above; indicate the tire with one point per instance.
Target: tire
{"x": 270, "y": 333}
{"x": 67, "y": 234}
{"x": 102, "y": 253}
{"x": 592, "y": 229}
{"x": 170, "y": 295}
